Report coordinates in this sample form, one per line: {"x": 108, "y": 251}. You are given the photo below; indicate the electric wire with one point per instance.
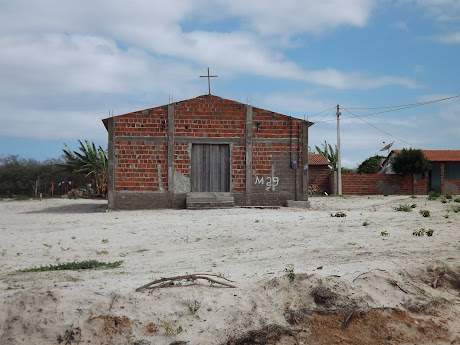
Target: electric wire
{"x": 381, "y": 130}
{"x": 405, "y": 105}
{"x": 391, "y": 110}
{"x": 330, "y": 111}
{"x": 321, "y": 112}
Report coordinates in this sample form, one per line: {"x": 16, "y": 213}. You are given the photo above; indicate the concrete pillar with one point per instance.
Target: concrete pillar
{"x": 171, "y": 155}
{"x": 305, "y": 166}
{"x": 111, "y": 163}
{"x": 248, "y": 154}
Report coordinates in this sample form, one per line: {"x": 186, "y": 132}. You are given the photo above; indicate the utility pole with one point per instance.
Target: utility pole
{"x": 339, "y": 156}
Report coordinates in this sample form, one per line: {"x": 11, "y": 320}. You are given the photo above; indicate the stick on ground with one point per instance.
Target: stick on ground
{"x": 163, "y": 282}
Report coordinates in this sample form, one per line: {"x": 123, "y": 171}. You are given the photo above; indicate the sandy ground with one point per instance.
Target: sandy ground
{"x": 351, "y": 284}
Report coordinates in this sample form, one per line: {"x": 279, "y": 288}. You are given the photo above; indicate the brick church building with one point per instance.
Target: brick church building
{"x": 206, "y": 151}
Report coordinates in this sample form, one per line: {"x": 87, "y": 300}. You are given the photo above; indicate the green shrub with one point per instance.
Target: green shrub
{"x": 443, "y": 200}
{"x": 338, "y": 214}
{"x": 448, "y": 196}
{"x": 433, "y": 195}
{"x": 456, "y": 209}
{"x": 425, "y": 213}
{"x": 457, "y": 199}
{"x": 404, "y": 208}
{"x": 290, "y": 273}
{"x": 366, "y": 223}
{"x": 422, "y": 232}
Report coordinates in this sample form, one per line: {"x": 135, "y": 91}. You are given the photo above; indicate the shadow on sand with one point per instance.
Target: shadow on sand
{"x": 87, "y": 207}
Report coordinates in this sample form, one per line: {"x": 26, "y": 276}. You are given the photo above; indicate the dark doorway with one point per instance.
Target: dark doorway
{"x": 435, "y": 177}
{"x": 210, "y": 168}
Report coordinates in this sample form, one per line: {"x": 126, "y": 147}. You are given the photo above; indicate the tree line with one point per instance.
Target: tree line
{"x": 26, "y": 178}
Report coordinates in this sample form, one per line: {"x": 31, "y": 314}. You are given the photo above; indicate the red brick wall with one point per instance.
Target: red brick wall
{"x": 142, "y": 123}
{"x": 209, "y": 117}
{"x": 371, "y": 184}
{"x": 451, "y": 186}
{"x": 142, "y": 165}
{"x": 319, "y": 176}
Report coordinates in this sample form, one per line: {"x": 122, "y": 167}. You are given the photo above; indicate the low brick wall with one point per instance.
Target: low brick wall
{"x": 452, "y": 186}
{"x": 371, "y": 184}
{"x": 319, "y": 178}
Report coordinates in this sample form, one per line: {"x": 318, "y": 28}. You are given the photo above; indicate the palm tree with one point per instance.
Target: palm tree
{"x": 330, "y": 154}
{"x": 90, "y": 161}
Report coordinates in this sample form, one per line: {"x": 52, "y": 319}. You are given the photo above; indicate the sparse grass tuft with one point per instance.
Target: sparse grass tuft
{"x": 81, "y": 265}
{"x": 338, "y": 214}
{"x": 384, "y": 233}
{"x": 404, "y": 208}
{"x": 366, "y": 223}
{"x": 425, "y": 213}
{"x": 290, "y": 273}
{"x": 169, "y": 330}
{"x": 193, "y": 307}
{"x": 433, "y": 195}
{"x": 448, "y": 196}
{"x": 422, "y": 232}
{"x": 457, "y": 199}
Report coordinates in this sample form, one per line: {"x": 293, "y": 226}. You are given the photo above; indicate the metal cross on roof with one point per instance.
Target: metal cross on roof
{"x": 209, "y": 80}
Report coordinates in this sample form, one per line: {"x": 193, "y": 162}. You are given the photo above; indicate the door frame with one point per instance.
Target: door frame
{"x": 230, "y": 163}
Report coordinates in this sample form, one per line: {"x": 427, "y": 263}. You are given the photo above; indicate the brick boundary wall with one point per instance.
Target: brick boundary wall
{"x": 373, "y": 184}
{"x": 452, "y": 186}
{"x": 319, "y": 177}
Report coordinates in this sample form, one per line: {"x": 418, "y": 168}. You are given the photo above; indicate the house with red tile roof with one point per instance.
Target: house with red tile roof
{"x": 444, "y": 176}
{"x": 318, "y": 174}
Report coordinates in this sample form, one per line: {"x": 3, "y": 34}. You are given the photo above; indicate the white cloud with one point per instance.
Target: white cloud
{"x": 62, "y": 60}
{"x": 441, "y": 10}
{"x": 153, "y": 28}
{"x": 296, "y": 16}
{"x": 451, "y": 38}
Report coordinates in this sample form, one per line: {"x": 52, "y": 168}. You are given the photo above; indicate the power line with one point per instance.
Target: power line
{"x": 406, "y": 105}
{"x": 322, "y": 112}
{"x": 330, "y": 111}
{"x": 378, "y": 112}
{"x": 370, "y": 124}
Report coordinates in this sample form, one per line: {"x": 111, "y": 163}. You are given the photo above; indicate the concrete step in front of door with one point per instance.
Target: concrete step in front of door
{"x": 206, "y": 200}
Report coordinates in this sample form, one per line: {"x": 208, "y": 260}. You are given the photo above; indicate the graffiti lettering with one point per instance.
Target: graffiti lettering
{"x": 259, "y": 181}
{"x": 269, "y": 182}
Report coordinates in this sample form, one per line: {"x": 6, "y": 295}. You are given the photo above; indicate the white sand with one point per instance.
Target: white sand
{"x": 252, "y": 247}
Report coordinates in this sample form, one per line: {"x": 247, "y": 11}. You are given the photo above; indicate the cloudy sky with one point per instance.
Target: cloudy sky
{"x": 65, "y": 64}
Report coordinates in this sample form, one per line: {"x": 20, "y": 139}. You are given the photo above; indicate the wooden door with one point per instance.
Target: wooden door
{"x": 210, "y": 168}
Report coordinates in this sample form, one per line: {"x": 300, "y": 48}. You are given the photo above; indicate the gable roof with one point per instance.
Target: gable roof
{"x": 317, "y": 159}
{"x": 203, "y": 98}
{"x": 439, "y": 155}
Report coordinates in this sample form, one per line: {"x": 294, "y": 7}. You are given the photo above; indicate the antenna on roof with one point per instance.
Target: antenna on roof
{"x": 387, "y": 147}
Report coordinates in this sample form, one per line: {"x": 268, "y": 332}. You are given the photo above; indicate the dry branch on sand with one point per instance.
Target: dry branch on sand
{"x": 165, "y": 282}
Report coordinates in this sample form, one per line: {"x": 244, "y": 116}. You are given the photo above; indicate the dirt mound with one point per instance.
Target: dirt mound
{"x": 376, "y": 307}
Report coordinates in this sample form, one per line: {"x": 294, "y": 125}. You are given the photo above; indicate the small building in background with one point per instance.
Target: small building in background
{"x": 444, "y": 176}
{"x": 207, "y": 152}
{"x": 318, "y": 174}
